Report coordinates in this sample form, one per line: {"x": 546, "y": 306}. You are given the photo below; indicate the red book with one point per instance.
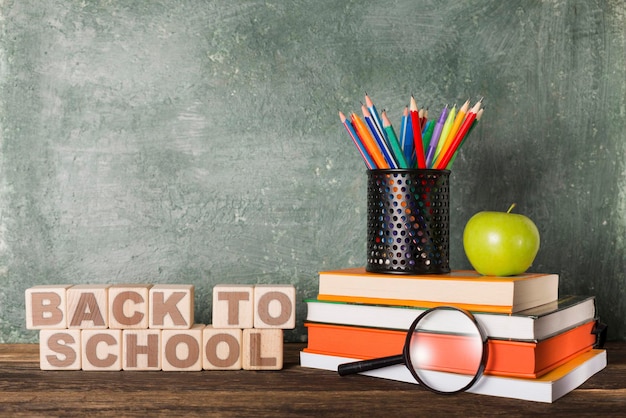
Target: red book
{"x": 529, "y": 359}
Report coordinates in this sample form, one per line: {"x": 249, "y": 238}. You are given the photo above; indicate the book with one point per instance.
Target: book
{"x": 547, "y": 388}
{"x": 461, "y": 288}
{"x": 535, "y": 323}
{"x": 505, "y": 357}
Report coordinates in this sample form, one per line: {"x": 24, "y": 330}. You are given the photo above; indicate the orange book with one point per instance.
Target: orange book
{"x": 505, "y": 357}
{"x": 461, "y": 288}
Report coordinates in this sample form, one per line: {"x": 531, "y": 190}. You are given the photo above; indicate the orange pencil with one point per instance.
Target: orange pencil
{"x": 417, "y": 134}
{"x": 369, "y": 142}
{"x": 454, "y": 128}
{"x": 446, "y": 155}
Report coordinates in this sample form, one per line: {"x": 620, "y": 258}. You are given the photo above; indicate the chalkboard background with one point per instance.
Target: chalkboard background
{"x": 187, "y": 141}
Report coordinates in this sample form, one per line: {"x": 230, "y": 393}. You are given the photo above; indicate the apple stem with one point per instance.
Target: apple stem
{"x": 511, "y": 208}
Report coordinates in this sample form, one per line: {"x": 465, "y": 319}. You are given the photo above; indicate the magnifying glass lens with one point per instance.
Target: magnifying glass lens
{"x": 445, "y": 350}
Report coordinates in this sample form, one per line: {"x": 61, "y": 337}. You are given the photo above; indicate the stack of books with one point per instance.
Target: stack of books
{"x": 540, "y": 346}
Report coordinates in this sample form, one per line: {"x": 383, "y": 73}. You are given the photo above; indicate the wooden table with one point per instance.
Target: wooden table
{"x": 25, "y": 390}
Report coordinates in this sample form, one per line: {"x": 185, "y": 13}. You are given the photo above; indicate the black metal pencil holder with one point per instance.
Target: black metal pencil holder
{"x": 408, "y": 221}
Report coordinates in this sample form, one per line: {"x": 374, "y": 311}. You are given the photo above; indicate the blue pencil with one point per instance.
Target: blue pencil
{"x": 380, "y": 140}
{"x": 357, "y": 142}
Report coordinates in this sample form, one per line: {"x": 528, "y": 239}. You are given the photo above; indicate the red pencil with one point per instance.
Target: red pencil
{"x": 454, "y": 145}
{"x": 417, "y": 134}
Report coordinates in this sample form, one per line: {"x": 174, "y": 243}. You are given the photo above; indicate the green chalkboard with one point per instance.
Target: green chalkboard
{"x": 198, "y": 141}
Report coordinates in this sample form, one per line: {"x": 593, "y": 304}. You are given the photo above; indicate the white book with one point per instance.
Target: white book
{"x": 532, "y": 324}
{"x": 547, "y": 388}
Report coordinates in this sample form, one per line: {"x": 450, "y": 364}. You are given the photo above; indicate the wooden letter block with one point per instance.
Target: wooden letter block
{"x": 142, "y": 349}
{"x": 222, "y": 348}
{"x": 101, "y": 349}
{"x": 233, "y": 306}
{"x": 46, "y": 307}
{"x": 128, "y": 306}
{"x": 262, "y": 349}
{"x": 87, "y": 306}
{"x": 275, "y": 306}
{"x": 182, "y": 349}
{"x": 171, "y": 306}
{"x": 59, "y": 349}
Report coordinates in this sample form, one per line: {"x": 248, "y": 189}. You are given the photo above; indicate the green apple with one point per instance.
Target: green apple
{"x": 500, "y": 243}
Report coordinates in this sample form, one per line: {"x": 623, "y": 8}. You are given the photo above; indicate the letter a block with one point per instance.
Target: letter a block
{"x": 275, "y": 306}
{"x": 128, "y": 306}
{"x": 101, "y": 349}
{"x": 182, "y": 349}
{"x": 222, "y": 348}
{"x": 262, "y": 349}
{"x": 59, "y": 349}
{"x": 171, "y": 306}
{"x": 87, "y": 306}
{"x": 46, "y": 307}
{"x": 233, "y": 306}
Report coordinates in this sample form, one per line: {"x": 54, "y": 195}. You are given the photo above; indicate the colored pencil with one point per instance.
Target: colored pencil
{"x": 446, "y": 129}
{"x": 407, "y": 144}
{"x": 442, "y": 162}
{"x": 454, "y": 128}
{"x": 417, "y": 134}
{"x": 379, "y": 138}
{"x": 393, "y": 141}
{"x": 369, "y": 142}
{"x": 478, "y": 116}
{"x": 435, "y": 138}
{"x": 375, "y": 115}
{"x": 357, "y": 142}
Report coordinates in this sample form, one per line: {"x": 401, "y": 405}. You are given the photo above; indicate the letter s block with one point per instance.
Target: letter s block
{"x": 59, "y": 349}
{"x": 46, "y": 307}
{"x": 275, "y": 306}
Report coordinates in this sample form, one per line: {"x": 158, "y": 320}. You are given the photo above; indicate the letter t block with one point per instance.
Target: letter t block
{"x": 233, "y": 306}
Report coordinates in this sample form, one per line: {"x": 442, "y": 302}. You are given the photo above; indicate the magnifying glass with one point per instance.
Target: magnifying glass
{"x": 445, "y": 350}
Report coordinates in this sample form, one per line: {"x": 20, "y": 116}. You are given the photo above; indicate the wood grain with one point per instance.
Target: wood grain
{"x": 296, "y": 391}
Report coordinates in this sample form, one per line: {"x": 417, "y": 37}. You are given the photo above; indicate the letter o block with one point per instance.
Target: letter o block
{"x": 222, "y": 348}
{"x": 275, "y": 306}
{"x": 182, "y": 349}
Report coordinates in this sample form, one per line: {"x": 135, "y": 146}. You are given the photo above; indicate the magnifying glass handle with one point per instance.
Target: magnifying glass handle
{"x": 365, "y": 365}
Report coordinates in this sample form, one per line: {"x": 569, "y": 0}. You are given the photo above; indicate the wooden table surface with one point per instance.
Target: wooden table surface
{"x": 25, "y": 390}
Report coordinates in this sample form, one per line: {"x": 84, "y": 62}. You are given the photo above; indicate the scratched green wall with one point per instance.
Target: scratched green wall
{"x": 188, "y": 141}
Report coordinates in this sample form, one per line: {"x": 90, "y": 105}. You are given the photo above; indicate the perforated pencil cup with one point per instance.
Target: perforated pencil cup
{"x": 408, "y": 221}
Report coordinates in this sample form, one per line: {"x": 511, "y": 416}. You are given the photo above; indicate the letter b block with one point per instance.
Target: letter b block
{"x": 46, "y": 307}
